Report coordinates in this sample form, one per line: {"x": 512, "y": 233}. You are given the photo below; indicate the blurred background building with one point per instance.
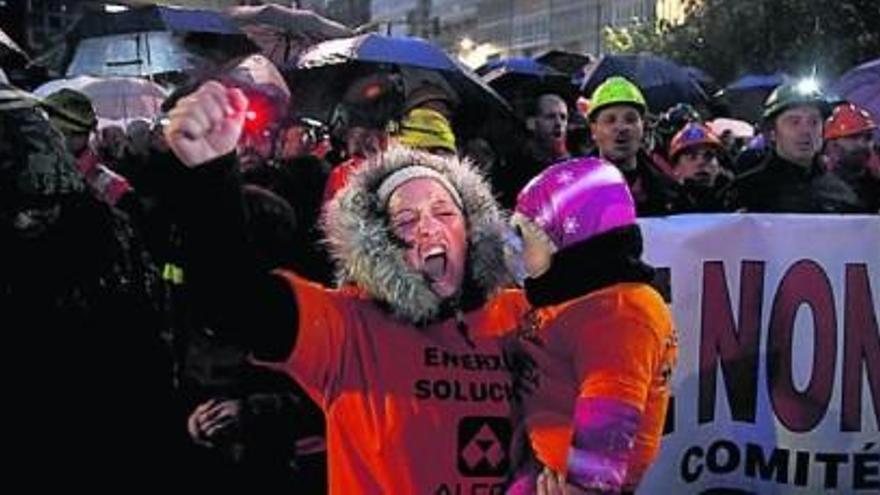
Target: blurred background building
{"x": 494, "y": 28}
{"x": 476, "y": 30}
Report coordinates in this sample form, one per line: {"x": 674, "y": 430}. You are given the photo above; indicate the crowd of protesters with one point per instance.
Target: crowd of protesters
{"x": 157, "y": 263}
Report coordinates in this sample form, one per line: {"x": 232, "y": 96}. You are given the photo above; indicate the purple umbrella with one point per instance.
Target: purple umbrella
{"x": 861, "y": 85}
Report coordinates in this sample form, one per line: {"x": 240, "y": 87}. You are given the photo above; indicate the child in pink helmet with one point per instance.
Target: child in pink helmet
{"x": 602, "y": 338}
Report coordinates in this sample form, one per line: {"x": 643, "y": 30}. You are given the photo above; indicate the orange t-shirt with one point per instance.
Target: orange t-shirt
{"x": 409, "y": 409}
{"x": 616, "y": 343}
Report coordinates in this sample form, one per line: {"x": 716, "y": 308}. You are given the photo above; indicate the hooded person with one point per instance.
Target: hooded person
{"x": 425, "y": 88}
{"x": 263, "y": 427}
{"x": 71, "y": 112}
{"x": 601, "y": 337}
{"x": 360, "y": 124}
{"x": 79, "y": 291}
{"x": 427, "y": 130}
{"x": 404, "y": 359}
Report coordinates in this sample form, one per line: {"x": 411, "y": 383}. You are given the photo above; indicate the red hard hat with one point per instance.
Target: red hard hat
{"x": 691, "y": 135}
{"x": 847, "y": 120}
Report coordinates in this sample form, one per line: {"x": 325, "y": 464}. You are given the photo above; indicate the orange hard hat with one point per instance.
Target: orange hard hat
{"x": 847, "y": 120}
{"x": 691, "y": 135}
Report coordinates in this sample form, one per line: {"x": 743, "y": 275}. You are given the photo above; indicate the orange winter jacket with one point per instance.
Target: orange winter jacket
{"x": 615, "y": 343}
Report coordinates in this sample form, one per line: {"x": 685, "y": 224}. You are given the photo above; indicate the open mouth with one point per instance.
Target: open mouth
{"x": 701, "y": 179}
{"x": 621, "y": 141}
{"x": 434, "y": 264}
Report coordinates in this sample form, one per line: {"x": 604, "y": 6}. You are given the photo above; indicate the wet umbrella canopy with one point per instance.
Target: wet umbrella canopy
{"x": 376, "y": 48}
{"x": 516, "y": 65}
{"x": 116, "y": 98}
{"x": 662, "y": 82}
{"x": 571, "y": 63}
{"x": 745, "y": 97}
{"x": 521, "y": 80}
{"x": 327, "y": 69}
{"x": 153, "y": 40}
{"x": 10, "y": 50}
{"x": 282, "y": 32}
{"x": 861, "y": 85}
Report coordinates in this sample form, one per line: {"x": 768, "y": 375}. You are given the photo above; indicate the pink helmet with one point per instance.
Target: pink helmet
{"x": 575, "y": 200}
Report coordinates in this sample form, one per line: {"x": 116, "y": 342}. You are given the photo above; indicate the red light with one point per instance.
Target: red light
{"x": 372, "y": 91}
{"x": 258, "y": 115}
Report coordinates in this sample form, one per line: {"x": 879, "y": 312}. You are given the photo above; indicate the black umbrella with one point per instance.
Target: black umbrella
{"x": 571, "y": 63}
{"x": 662, "y": 82}
{"x": 744, "y": 98}
{"x": 521, "y": 80}
{"x": 153, "y": 40}
{"x": 325, "y": 71}
{"x": 10, "y": 52}
{"x": 282, "y": 32}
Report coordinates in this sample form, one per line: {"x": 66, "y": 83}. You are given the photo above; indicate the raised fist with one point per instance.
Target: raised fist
{"x": 206, "y": 124}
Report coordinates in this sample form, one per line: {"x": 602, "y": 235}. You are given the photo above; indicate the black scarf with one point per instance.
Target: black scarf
{"x": 607, "y": 259}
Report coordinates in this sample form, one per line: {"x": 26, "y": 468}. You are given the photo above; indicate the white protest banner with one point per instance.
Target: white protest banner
{"x": 777, "y": 389}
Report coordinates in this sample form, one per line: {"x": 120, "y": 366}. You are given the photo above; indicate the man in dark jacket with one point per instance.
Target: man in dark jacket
{"x": 617, "y": 124}
{"x": 543, "y": 145}
{"x": 792, "y": 179}
{"x": 71, "y": 112}
{"x": 79, "y": 298}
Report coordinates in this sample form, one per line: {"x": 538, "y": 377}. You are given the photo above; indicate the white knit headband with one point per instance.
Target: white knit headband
{"x": 406, "y": 174}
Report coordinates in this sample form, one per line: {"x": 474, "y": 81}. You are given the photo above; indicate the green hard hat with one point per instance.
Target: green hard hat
{"x": 33, "y": 159}
{"x": 615, "y": 91}
{"x": 788, "y": 95}
{"x": 70, "y": 111}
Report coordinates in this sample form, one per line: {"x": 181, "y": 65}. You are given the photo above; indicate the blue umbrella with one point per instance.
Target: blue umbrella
{"x": 861, "y": 85}
{"x": 757, "y": 82}
{"x": 571, "y": 63}
{"x": 707, "y": 82}
{"x": 375, "y": 48}
{"x": 699, "y": 75}
{"x": 662, "y": 82}
{"x": 745, "y": 97}
{"x": 154, "y": 18}
{"x": 328, "y": 67}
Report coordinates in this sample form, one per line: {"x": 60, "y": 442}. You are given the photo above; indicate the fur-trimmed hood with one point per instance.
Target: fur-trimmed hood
{"x": 360, "y": 240}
